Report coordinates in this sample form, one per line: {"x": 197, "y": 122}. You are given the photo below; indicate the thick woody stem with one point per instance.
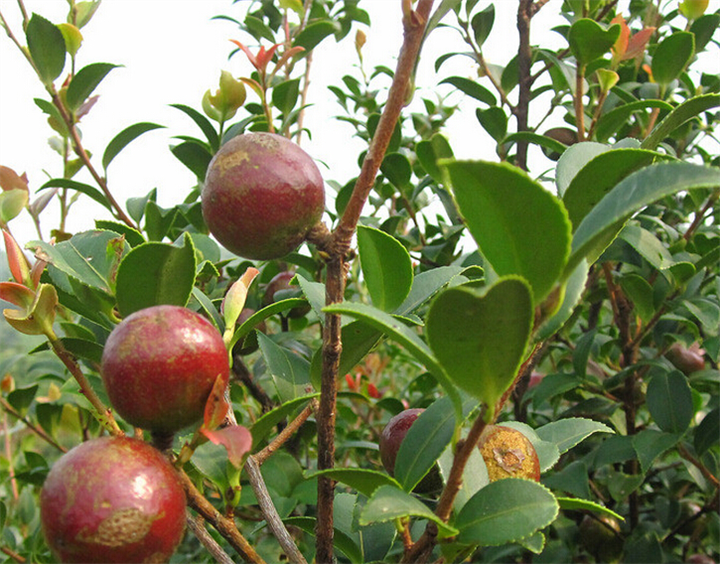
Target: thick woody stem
{"x": 524, "y": 16}
{"x": 337, "y": 249}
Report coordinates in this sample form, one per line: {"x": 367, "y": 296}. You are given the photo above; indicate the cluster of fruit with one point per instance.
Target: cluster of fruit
{"x": 119, "y": 499}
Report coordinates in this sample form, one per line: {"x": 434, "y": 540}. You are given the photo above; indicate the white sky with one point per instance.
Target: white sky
{"x": 172, "y": 53}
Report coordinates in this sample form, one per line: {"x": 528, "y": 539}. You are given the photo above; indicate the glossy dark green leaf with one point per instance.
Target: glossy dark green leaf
{"x": 389, "y": 503}
{"x": 611, "y": 121}
{"x": 640, "y": 293}
{"x": 425, "y": 441}
{"x": 362, "y": 480}
{"x": 704, "y": 28}
{"x": 386, "y": 267}
{"x": 264, "y": 424}
{"x": 121, "y": 140}
{"x": 202, "y": 122}
{"x": 575, "y": 504}
{"x": 47, "y": 48}
{"x": 479, "y": 337}
{"x": 314, "y": 33}
{"x": 506, "y": 511}
{"x": 430, "y": 151}
{"x": 684, "y": 112}
{"x": 648, "y": 246}
{"x": 541, "y": 140}
{"x": 669, "y": 401}
{"x": 286, "y": 366}
{"x": 482, "y": 24}
{"x": 154, "y": 274}
{"x": 85, "y": 81}
{"x": 397, "y": 169}
{"x": 520, "y": 228}
{"x": 494, "y": 121}
{"x": 472, "y": 88}
{"x": 194, "y": 155}
{"x": 707, "y": 432}
{"x": 22, "y": 398}
{"x": 285, "y": 95}
{"x": 600, "y": 175}
{"x": 132, "y": 236}
{"x": 86, "y": 189}
{"x": 600, "y": 227}
{"x": 651, "y": 443}
{"x": 672, "y": 56}
{"x": 566, "y": 433}
{"x": 589, "y": 40}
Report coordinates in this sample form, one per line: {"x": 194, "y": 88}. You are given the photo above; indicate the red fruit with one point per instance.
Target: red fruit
{"x": 113, "y": 499}
{"x": 281, "y": 282}
{"x": 262, "y": 195}
{"x": 508, "y": 454}
{"x": 392, "y": 437}
{"x": 686, "y": 359}
{"x": 159, "y": 366}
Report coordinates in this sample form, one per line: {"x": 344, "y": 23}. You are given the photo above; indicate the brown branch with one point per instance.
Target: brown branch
{"x": 12, "y": 554}
{"x": 226, "y": 527}
{"x": 524, "y": 16}
{"x": 197, "y": 526}
{"x": 337, "y": 251}
{"x": 286, "y": 541}
{"x": 39, "y": 431}
{"x": 285, "y": 434}
{"x": 241, "y": 372}
{"x": 422, "y": 549}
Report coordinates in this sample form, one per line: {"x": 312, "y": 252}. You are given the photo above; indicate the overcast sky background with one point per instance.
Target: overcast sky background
{"x": 172, "y": 52}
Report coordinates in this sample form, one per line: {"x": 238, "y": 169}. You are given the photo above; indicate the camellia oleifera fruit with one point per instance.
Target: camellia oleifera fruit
{"x": 113, "y": 499}
{"x": 262, "y": 195}
{"x": 159, "y": 366}
{"x": 508, "y": 454}
{"x": 392, "y": 437}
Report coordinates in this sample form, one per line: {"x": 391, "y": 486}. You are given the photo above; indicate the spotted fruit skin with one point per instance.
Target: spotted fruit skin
{"x": 113, "y": 499}
{"x": 508, "y": 454}
{"x": 159, "y": 366}
{"x": 392, "y": 437}
{"x": 262, "y": 195}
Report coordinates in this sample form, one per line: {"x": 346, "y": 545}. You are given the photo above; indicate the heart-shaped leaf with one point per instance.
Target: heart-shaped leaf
{"x": 479, "y": 337}
{"x": 589, "y": 41}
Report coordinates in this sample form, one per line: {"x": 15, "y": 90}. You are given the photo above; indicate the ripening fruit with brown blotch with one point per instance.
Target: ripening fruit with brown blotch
{"x": 159, "y": 366}
{"x": 686, "y": 359}
{"x": 113, "y": 499}
{"x": 262, "y": 195}
{"x": 508, "y": 454}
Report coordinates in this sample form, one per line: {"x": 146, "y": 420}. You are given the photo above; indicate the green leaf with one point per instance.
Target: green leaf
{"x": 154, "y": 274}
{"x": 121, "y": 140}
{"x": 397, "y": 169}
{"x": 672, "y": 56}
{"x": 482, "y": 24}
{"x": 314, "y": 33}
{"x": 263, "y": 426}
{"x": 480, "y": 337}
{"x": 202, "y": 122}
{"x": 684, "y": 112}
{"x": 85, "y": 11}
{"x": 386, "y": 266}
{"x": 425, "y": 441}
{"x": 506, "y": 511}
{"x": 704, "y": 28}
{"x": 669, "y": 401}
{"x": 600, "y": 175}
{"x": 12, "y": 202}
{"x": 132, "y": 235}
{"x": 341, "y": 540}
{"x": 566, "y": 433}
{"x": 47, "y": 48}
{"x": 22, "y": 398}
{"x": 264, "y": 313}
{"x": 600, "y": 227}
{"x": 640, "y": 293}
{"x": 574, "y": 289}
{"x": 493, "y": 120}
{"x": 360, "y": 479}
{"x": 403, "y": 335}
{"x": 194, "y": 155}
{"x": 650, "y": 443}
{"x": 86, "y": 189}
{"x": 90, "y": 257}
{"x": 575, "y": 504}
{"x": 611, "y": 121}
{"x": 472, "y": 89}
{"x": 707, "y": 432}
{"x": 573, "y": 160}
{"x": 284, "y": 365}
{"x": 648, "y": 246}
{"x": 589, "y": 41}
{"x": 542, "y": 140}
{"x": 389, "y": 503}
{"x": 285, "y": 95}
{"x": 85, "y": 81}
{"x": 430, "y": 151}
{"x": 520, "y": 228}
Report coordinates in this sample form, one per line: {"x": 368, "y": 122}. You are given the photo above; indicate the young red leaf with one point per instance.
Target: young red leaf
{"x": 19, "y": 265}
{"x": 216, "y": 407}
{"x": 236, "y": 439}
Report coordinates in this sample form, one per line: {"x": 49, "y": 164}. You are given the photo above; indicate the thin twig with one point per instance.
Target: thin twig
{"x": 226, "y": 527}
{"x": 285, "y": 434}
{"x": 12, "y": 554}
{"x": 197, "y": 526}
{"x": 286, "y": 541}
{"x": 39, "y": 431}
